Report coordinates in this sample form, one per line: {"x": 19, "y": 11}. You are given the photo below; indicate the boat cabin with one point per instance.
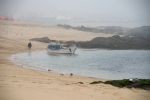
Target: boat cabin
{"x": 54, "y": 46}
{"x": 57, "y": 46}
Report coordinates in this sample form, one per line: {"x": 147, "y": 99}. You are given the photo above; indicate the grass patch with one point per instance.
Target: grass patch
{"x": 80, "y": 82}
{"x": 96, "y": 82}
{"x": 119, "y": 83}
{"x": 141, "y": 83}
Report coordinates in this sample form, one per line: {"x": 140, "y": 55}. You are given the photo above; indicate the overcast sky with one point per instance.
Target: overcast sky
{"x": 135, "y": 9}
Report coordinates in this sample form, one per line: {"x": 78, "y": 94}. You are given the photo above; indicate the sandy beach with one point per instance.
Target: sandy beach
{"x": 18, "y": 83}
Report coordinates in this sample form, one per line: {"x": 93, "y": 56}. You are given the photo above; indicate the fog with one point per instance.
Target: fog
{"x": 116, "y": 11}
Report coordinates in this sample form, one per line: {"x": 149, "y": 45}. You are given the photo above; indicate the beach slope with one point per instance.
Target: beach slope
{"x": 18, "y": 83}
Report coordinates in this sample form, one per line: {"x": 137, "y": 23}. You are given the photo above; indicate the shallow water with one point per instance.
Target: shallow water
{"x": 108, "y": 64}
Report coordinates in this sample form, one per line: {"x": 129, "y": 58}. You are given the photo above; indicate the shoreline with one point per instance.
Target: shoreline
{"x": 17, "y": 83}
{"x": 24, "y": 60}
{"x": 44, "y": 69}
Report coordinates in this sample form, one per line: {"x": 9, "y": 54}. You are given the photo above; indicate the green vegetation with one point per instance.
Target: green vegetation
{"x": 119, "y": 83}
{"x": 80, "y": 82}
{"x": 96, "y": 82}
{"x": 101, "y": 29}
{"x": 136, "y": 38}
{"x": 143, "y": 31}
{"x": 115, "y": 42}
{"x": 43, "y": 39}
{"x": 141, "y": 83}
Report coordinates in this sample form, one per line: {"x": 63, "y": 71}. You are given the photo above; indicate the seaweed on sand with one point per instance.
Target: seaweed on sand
{"x": 141, "y": 83}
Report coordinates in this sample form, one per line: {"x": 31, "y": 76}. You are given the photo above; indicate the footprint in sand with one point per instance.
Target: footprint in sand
{"x": 104, "y": 92}
{"x": 115, "y": 93}
{"x": 2, "y": 85}
{"x": 15, "y": 81}
{"x": 134, "y": 90}
{"x": 120, "y": 98}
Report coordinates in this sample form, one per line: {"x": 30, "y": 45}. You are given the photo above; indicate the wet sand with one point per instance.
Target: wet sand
{"x": 18, "y": 83}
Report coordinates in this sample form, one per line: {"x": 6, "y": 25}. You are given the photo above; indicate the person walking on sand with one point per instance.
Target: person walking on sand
{"x": 29, "y": 45}
{"x": 71, "y": 74}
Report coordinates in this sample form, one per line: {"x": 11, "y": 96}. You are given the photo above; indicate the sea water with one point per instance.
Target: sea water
{"x": 108, "y": 64}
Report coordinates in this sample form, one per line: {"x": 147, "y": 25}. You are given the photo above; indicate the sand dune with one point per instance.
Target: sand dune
{"x": 18, "y": 83}
{"x": 27, "y": 30}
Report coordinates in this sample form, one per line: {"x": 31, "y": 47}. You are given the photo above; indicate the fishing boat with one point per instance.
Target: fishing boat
{"x": 57, "y": 47}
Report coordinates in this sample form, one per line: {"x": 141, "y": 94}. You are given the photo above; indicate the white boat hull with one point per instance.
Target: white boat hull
{"x": 68, "y": 50}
